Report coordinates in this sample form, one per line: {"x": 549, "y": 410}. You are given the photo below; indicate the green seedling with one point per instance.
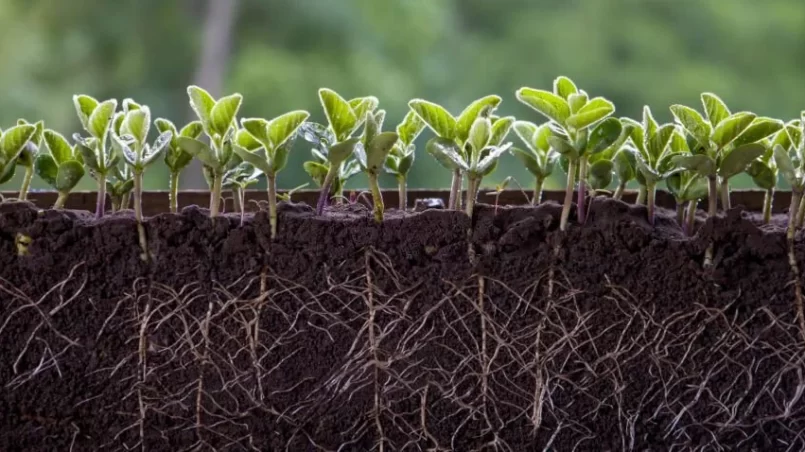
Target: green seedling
{"x": 601, "y": 166}
{"x": 289, "y": 194}
{"x": 581, "y": 127}
{"x": 539, "y": 158}
{"x": 372, "y": 152}
{"x": 12, "y": 143}
{"x": 218, "y": 120}
{"x": 119, "y": 185}
{"x": 266, "y": 145}
{"x": 624, "y": 164}
{"x": 138, "y": 155}
{"x": 653, "y": 156}
{"x": 335, "y": 141}
{"x": 239, "y": 179}
{"x": 499, "y": 189}
{"x": 687, "y": 187}
{"x": 318, "y": 168}
{"x": 452, "y": 134}
{"x": 27, "y": 158}
{"x": 401, "y": 159}
{"x": 764, "y": 172}
{"x": 96, "y": 118}
{"x": 789, "y": 138}
{"x": 176, "y": 158}
{"x": 62, "y": 167}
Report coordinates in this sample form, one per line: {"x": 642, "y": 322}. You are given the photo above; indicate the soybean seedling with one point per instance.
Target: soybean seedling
{"x": 12, "y": 144}
{"x": 289, "y": 194}
{"x": 789, "y": 138}
{"x": 372, "y": 152}
{"x": 581, "y": 127}
{"x": 176, "y": 158}
{"x": 335, "y": 141}
{"x": 401, "y": 158}
{"x": 538, "y": 158}
{"x": 218, "y": 120}
{"x": 764, "y": 173}
{"x": 96, "y": 118}
{"x": 318, "y": 168}
{"x": 27, "y": 158}
{"x": 119, "y": 185}
{"x": 240, "y": 178}
{"x": 499, "y": 188}
{"x": 138, "y": 155}
{"x": 275, "y": 138}
{"x": 452, "y": 134}
{"x": 61, "y": 168}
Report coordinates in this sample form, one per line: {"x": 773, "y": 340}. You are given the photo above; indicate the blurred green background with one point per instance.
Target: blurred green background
{"x": 277, "y": 53}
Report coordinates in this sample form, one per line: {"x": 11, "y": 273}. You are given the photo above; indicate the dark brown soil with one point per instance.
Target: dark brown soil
{"x": 430, "y": 331}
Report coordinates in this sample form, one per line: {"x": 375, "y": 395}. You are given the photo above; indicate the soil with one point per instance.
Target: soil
{"x": 430, "y": 331}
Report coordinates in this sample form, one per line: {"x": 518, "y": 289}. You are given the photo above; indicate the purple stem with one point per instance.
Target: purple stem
{"x": 325, "y": 191}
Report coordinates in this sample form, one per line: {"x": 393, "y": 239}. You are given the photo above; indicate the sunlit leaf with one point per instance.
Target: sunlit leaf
{"x": 340, "y": 116}
{"x": 68, "y": 176}
{"x": 546, "y": 103}
{"x": 202, "y": 104}
{"x": 224, "y": 112}
{"x": 604, "y": 135}
{"x": 738, "y": 159}
{"x": 480, "y": 107}
{"x": 699, "y": 163}
{"x": 715, "y": 108}
{"x": 446, "y": 152}
{"x": 47, "y": 168}
{"x": 282, "y": 128}
{"x": 732, "y": 126}
{"x": 564, "y": 87}
{"x": 500, "y": 130}
{"x": 693, "y": 123}
{"x": 101, "y": 118}
{"x": 436, "y": 117}
{"x": 759, "y": 129}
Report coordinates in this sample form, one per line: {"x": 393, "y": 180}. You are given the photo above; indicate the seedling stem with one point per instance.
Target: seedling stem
{"x": 582, "y": 193}
{"x": 571, "y": 171}
{"x": 619, "y": 191}
{"x": 537, "y": 197}
{"x": 641, "y": 196}
{"x": 174, "y": 192}
{"x": 215, "y": 196}
{"x": 724, "y": 189}
{"x": 272, "y": 203}
{"x": 325, "y": 189}
{"x": 138, "y": 213}
{"x": 403, "y": 193}
{"x": 767, "y": 205}
{"x": 100, "y": 203}
{"x": 455, "y": 187}
{"x": 61, "y": 200}
{"x": 26, "y": 182}
{"x": 691, "y": 220}
{"x": 377, "y": 197}
{"x": 472, "y": 194}
{"x": 801, "y": 213}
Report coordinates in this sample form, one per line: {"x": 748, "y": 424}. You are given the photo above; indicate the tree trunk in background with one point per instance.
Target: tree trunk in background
{"x": 215, "y": 49}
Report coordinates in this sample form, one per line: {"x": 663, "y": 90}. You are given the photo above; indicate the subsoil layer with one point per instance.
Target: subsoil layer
{"x": 430, "y": 331}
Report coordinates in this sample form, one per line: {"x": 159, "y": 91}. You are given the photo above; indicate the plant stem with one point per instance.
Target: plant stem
{"x": 124, "y": 201}
{"x": 100, "y": 202}
{"x": 690, "y": 223}
{"x": 641, "y": 196}
{"x": 768, "y": 200}
{"x": 26, "y": 182}
{"x": 796, "y": 198}
{"x": 712, "y": 210}
{"x": 138, "y": 213}
{"x": 473, "y": 183}
{"x": 537, "y": 198}
{"x": 619, "y": 191}
{"x": 680, "y": 213}
{"x": 455, "y": 188}
{"x": 801, "y": 213}
{"x": 582, "y": 193}
{"x": 325, "y": 189}
{"x": 238, "y": 207}
{"x": 174, "y": 192}
{"x": 651, "y": 192}
{"x": 571, "y": 182}
{"x": 61, "y": 200}
{"x": 724, "y": 189}
{"x": 215, "y": 196}
{"x": 377, "y": 197}
{"x": 402, "y": 190}
{"x": 271, "y": 180}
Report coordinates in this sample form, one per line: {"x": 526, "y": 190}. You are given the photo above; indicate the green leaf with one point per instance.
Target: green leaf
{"x": 637, "y": 134}
{"x": 480, "y": 133}
{"x": 650, "y": 125}
{"x": 732, "y": 126}
{"x": 478, "y": 108}
{"x": 446, "y": 152}
{"x": 316, "y": 171}
{"x": 137, "y": 123}
{"x": 564, "y": 148}
{"x": 494, "y": 153}
{"x": 529, "y": 160}
{"x": 69, "y": 174}
{"x": 7, "y": 171}
{"x": 410, "y": 128}
{"x": 361, "y": 106}
{"x": 624, "y": 164}
{"x": 577, "y": 101}
{"x": 59, "y": 147}
{"x": 280, "y": 159}
{"x": 160, "y": 145}
{"x": 84, "y": 106}
{"x": 763, "y": 176}
{"x": 564, "y": 87}
{"x": 699, "y": 163}
{"x": 737, "y": 160}
{"x": 252, "y": 158}
{"x": 541, "y": 138}
{"x": 47, "y": 168}
{"x": 794, "y": 131}
{"x": 378, "y": 149}
{"x": 527, "y": 132}
{"x": 246, "y": 140}
{"x": 282, "y": 128}
{"x": 371, "y": 128}
{"x": 678, "y": 143}
{"x": 693, "y": 123}
{"x": 603, "y": 136}
{"x": 202, "y": 103}
{"x": 759, "y": 129}
{"x": 258, "y": 129}
{"x": 658, "y": 142}
{"x": 697, "y": 188}
{"x": 783, "y": 160}
{"x": 599, "y": 174}
{"x": 405, "y": 164}
{"x": 343, "y": 150}
{"x": 340, "y": 116}
{"x": 592, "y": 112}
{"x": 89, "y": 157}
{"x": 500, "y": 130}
{"x": 100, "y": 119}
{"x": 436, "y": 117}
{"x": 715, "y": 108}
{"x": 649, "y": 174}
{"x": 546, "y": 103}
{"x": 199, "y": 150}
{"x": 13, "y": 141}
{"x": 165, "y": 125}
{"x": 193, "y": 129}
{"x": 224, "y": 112}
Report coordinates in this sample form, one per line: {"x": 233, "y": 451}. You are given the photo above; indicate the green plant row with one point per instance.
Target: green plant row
{"x": 695, "y": 157}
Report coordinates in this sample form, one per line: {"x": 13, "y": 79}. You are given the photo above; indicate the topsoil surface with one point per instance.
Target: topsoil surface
{"x": 430, "y": 331}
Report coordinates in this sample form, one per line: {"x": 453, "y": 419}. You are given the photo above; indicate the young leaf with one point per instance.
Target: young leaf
{"x": 577, "y": 101}
{"x": 252, "y": 158}
{"x": 164, "y": 125}
{"x": 137, "y": 123}
{"x": 410, "y": 128}
{"x": 247, "y": 140}
{"x": 715, "y": 108}
{"x": 47, "y": 168}
{"x": 529, "y": 160}
{"x": 89, "y": 157}
{"x": 341, "y": 151}
{"x": 737, "y": 160}
{"x": 84, "y": 106}
{"x": 491, "y": 158}
{"x": 693, "y": 123}
{"x": 59, "y": 147}
{"x": 316, "y": 171}
{"x": 699, "y": 163}
{"x": 564, "y": 148}
{"x": 500, "y": 130}
{"x": 405, "y": 164}
{"x": 564, "y": 87}
{"x": 600, "y": 174}
{"x": 659, "y": 141}
{"x": 546, "y": 103}
{"x": 763, "y": 176}
{"x": 101, "y": 118}
{"x": 282, "y": 128}
{"x": 202, "y": 103}
{"x": 198, "y": 150}
{"x": 446, "y": 152}
{"x": 341, "y": 117}
{"x": 378, "y": 149}
{"x": 527, "y": 132}
{"x": 160, "y": 145}
{"x": 436, "y": 117}
{"x": 223, "y": 113}
{"x": 481, "y": 107}
{"x": 758, "y": 130}
{"x": 594, "y": 111}
{"x": 193, "y": 129}
{"x": 14, "y": 139}
{"x": 637, "y": 134}
{"x": 624, "y": 163}
{"x": 480, "y": 133}
{"x": 732, "y": 126}
{"x": 69, "y": 174}
{"x": 361, "y": 106}
{"x": 786, "y": 166}
{"x": 604, "y": 135}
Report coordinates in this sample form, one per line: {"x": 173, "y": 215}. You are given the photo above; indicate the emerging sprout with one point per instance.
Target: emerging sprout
{"x": 96, "y": 118}
{"x": 499, "y": 189}
{"x": 61, "y": 168}
{"x": 138, "y": 154}
{"x": 318, "y": 168}
{"x": 276, "y": 139}
{"x": 219, "y": 124}
{"x": 288, "y": 194}
{"x": 401, "y": 159}
{"x": 12, "y": 143}
{"x": 239, "y": 178}
{"x": 27, "y": 157}
{"x": 175, "y": 157}
{"x": 539, "y": 158}
{"x": 372, "y": 152}
{"x": 343, "y": 118}
{"x": 119, "y": 185}
{"x": 687, "y": 187}
{"x": 452, "y": 133}
{"x": 581, "y": 127}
